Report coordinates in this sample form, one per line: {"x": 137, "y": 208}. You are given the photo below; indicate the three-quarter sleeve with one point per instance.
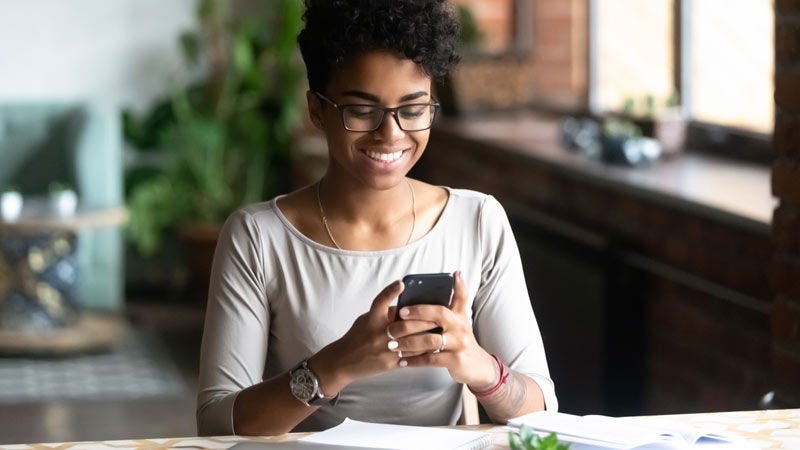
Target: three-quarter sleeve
{"x": 234, "y": 345}
{"x": 504, "y": 321}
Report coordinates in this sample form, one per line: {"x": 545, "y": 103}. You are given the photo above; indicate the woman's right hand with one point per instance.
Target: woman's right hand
{"x": 363, "y": 351}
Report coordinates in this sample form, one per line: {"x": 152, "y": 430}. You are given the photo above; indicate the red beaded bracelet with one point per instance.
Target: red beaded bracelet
{"x": 503, "y": 377}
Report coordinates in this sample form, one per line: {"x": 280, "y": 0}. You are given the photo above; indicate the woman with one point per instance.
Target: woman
{"x": 300, "y": 330}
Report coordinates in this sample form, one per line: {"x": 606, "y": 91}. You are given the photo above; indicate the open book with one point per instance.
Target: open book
{"x": 603, "y": 432}
{"x": 355, "y": 434}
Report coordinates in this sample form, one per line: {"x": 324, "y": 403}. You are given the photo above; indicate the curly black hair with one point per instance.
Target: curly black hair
{"x": 423, "y": 31}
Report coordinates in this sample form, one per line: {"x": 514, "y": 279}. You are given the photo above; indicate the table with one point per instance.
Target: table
{"x": 776, "y": 429}
{"x": 38, "y": 277}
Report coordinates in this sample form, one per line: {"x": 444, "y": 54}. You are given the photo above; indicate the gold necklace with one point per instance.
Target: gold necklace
{"x": 328, "y": 229}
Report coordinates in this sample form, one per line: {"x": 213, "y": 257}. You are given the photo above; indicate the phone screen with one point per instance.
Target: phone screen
{"x": 426, "y": 289}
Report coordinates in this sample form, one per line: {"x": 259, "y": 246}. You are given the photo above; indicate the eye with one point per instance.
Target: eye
{"x": 413, "y": 111}
{"x": 362, "y": 112}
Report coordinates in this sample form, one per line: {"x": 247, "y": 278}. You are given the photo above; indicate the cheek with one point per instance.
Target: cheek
{"x": 421, "y": 141}
{"x": 342, "y": 144}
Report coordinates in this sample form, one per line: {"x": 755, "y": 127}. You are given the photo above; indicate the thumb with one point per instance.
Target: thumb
{"x": 459, "y": 303}
{"x": 380, "y": 306}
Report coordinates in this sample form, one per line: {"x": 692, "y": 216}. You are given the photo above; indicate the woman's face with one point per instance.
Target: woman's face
{"x": 379, "y": 159}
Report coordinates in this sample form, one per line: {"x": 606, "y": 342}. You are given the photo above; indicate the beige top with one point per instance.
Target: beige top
{"x": 277, "y": 297}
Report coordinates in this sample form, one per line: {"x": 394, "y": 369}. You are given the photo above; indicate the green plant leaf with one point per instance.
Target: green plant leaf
{"x": 225, "y": 140}
{"x": 525, "y": 438}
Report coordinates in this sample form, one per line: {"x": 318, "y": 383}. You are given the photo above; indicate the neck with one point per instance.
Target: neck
{"x": 356, "y": 203}
{"x": 377, "y": 222}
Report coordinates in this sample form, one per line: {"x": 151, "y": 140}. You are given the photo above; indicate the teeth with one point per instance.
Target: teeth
{"x": 384, "y": 157}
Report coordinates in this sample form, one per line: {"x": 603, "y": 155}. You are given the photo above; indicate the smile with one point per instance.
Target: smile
{"x": 384, "y": 157}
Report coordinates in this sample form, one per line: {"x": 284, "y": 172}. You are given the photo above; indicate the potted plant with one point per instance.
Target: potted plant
{"x": 622, "y": 142}
{"x": 223, "y": 142}
{"x": 662, "y": 121}
{"x": 527, "y": 439}
{"x": 11, "y": 202}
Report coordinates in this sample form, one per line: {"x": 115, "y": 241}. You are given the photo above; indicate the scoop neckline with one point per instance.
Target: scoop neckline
{"x": 308, "y": 241}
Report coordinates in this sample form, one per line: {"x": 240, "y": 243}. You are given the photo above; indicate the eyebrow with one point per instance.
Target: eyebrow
{"x": 375, "y": 99}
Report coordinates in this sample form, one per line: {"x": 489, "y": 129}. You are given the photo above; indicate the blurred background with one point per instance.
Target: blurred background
{"x": 645, "y": 151}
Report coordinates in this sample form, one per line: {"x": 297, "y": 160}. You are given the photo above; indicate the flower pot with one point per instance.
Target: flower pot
{"x": 198, "y": 243}
{"x": 668, "y": 128}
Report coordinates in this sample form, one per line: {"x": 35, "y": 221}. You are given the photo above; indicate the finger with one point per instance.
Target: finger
{"x": 380, "y": 306}
{"x": 421, "y": 343}
{"x": 428, "y": 313}
{"x": 403, "y": 328}
{"x": 426, "y": 360}
{"x": 392, "y": 314}
{"x": 459, "y": 303}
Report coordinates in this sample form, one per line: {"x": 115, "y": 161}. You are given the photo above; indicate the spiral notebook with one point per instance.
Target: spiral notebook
{"x": 355, "y": 434}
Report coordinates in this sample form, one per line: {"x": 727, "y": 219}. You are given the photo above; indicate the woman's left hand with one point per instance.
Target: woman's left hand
{"x": 455, "y": 349}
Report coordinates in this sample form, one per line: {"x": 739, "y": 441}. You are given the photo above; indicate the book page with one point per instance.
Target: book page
{"x": 353, "y": 433}
{"x": 595, "y": 431}
{"x": 598, "y": 430}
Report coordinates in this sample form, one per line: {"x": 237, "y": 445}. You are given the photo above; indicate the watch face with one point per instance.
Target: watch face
{"x": 303, "y": 384}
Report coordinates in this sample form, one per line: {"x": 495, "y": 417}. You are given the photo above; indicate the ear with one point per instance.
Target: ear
{"x": 314, "y": 109}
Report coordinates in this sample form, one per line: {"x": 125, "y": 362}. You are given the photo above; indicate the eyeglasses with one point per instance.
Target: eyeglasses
{"x": 411, "y": 117}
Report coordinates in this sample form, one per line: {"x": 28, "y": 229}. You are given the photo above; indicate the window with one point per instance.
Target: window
{"x": 731, "y": 63}
{"x": 716, "y": 55}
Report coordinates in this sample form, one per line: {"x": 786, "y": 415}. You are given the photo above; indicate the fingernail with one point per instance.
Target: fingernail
{"x": 403, "y": 363}
{"x": 404, "y": 312}
{"x": 398, "y": 284}
{"x": 392, "y": 344}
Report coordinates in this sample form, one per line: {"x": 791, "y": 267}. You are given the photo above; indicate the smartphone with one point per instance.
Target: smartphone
{"x": 426, "y": 289}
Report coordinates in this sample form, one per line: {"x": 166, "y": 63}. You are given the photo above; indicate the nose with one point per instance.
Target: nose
{"x": 390, "y": 127}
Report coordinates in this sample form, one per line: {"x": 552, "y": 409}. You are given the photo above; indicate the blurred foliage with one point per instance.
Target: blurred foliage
{"x": 647, "y": 106}
{"x": 526, "y": 439}
{"x": 225, "y": 141}
{"x": 470, "y": 36}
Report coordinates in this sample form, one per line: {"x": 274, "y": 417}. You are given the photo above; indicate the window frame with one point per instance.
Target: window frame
{"x": 706, "y": 137}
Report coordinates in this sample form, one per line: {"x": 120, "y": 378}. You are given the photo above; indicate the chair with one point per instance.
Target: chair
{"x": 469, "y": 408}
{"x": 81, "y": 145}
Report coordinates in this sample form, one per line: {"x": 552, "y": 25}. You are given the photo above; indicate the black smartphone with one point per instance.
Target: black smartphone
{"x": 426, "y": 289}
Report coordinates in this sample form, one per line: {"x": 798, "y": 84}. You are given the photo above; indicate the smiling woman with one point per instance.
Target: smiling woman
{"x": 300, "y": 330}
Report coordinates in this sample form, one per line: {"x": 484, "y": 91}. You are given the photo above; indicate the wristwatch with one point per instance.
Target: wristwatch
{"x": 304, "y": 384}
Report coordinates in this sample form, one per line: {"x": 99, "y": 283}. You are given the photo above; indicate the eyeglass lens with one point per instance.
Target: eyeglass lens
{"x": 368, "y": 118}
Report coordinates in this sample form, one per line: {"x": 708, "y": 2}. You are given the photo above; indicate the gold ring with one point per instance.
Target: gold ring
{"x": 389, "y": 334}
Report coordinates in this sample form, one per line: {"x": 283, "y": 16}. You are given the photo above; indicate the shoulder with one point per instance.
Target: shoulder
{"x": 474, "y": 203}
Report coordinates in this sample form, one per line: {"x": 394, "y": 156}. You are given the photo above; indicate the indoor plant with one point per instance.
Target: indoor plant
{"x": 660, "y": 120}
{"x": 526, "y": 439}
{"x": 225, "y": 141}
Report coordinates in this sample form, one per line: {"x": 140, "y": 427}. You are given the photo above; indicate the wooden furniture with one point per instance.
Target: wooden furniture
{"x": 650, "y": 283}
{"x": 39, "y": 274}
{"x": 778, "y": 429}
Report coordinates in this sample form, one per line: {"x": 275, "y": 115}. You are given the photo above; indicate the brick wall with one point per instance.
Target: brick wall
{"x": 560, "y": 52}
{"x": 495, "y": 21}
{"x": 554, "y": 73}
{"x": 785, "y": 265}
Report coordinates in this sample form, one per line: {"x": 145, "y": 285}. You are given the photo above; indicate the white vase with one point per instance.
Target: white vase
{"x": 64, "y": 203}
{"x": 10, "y": 205}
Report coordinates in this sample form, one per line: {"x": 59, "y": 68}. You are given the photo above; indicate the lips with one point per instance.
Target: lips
{"x": 384, "y": 157}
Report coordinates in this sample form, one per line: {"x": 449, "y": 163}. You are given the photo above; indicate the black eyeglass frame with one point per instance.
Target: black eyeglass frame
{"x": 434, "y": 104}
